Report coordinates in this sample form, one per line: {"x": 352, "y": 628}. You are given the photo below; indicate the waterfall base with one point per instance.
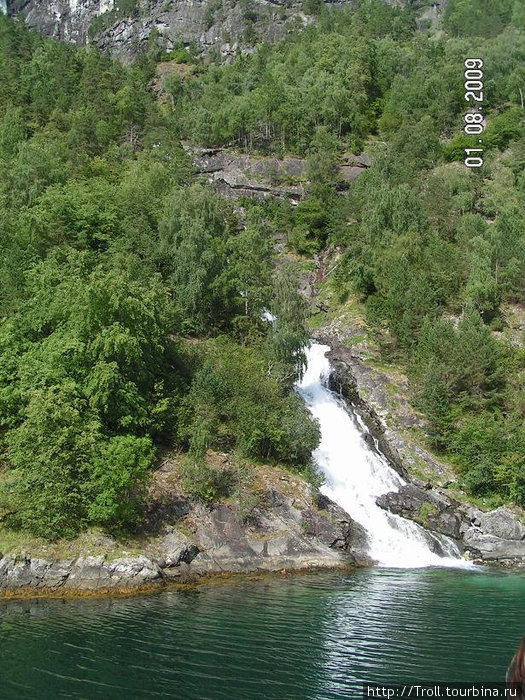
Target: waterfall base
{"x": 357, "y": 475}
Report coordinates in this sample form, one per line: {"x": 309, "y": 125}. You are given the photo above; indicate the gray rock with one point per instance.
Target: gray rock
{"x": 225, "y": 29}
{"x": 234, "y": 175}
{"x": 88, "y": 573}
{"x": 494, "y": 549}
{"x": 133, "y": 572}
{"x": 175, "y": 548}
{"x": 430, "y": 508}
{"x": 290, "y": 534}
{"x": 15, "y": 572}
{"x": 57, "y": 573}
{"x": 494, "y": 537}
{"x": 501, "y": 523}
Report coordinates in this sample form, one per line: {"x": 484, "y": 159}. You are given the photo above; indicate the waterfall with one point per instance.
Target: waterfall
{"x": 3, "y": 6}
{"x": 356, "y": 475}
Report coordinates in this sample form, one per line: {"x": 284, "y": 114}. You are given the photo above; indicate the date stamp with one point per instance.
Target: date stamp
{"x": 474, "y": 119}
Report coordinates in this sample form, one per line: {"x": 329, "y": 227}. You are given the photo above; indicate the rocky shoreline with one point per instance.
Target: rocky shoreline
{"x": 291, "y": 528}
{"x": 290, "y": 531}
{"x": 494, "y": 537}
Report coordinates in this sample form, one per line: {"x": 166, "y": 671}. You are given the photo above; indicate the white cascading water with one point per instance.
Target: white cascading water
{"x": 356, "y": 476}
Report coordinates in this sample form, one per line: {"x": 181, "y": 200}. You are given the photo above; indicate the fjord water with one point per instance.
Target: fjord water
{"x": 315, "y": 636}
{"x": 356, "y": 475}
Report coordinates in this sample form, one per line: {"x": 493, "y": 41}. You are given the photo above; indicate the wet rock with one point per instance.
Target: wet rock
{"x": 493, "y": 537}
{"x": 430, "y": 508}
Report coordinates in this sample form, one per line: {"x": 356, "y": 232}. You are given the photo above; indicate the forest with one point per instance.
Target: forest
{"x": 132, "y": 302}
{"x": 133, "y": 299}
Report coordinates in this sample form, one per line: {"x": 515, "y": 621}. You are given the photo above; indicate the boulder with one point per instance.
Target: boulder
{"x": 494, "y": 549}
{"x": 502, "y": 523}
{"x": 430, "y": 508}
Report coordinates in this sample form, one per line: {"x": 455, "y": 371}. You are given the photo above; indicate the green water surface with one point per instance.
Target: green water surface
{"x": 315, "y": 636}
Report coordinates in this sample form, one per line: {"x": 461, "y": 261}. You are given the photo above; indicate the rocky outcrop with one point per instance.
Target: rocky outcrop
{"x": 219, "y": 25}
{"x": 222, "y": 26}
{"x": 63, "y": 19}
{"x": 289, "y": 531}
{"x": 21, "y": 572}
{"x": 233, "y": 174}
{"x": 429, "y": 507}
{"x": 286, "y": 536}
{"x": 497, "y": 536}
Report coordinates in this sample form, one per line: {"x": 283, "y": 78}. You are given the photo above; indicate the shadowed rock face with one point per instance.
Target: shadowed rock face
{"x": 428, "y": 507}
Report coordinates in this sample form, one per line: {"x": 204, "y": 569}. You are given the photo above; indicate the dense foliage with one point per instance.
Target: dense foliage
{"x": 132, "y": 300}
{"x": 356, "y": 73}
{"x": 111, "y": 259}
{"x": 435, "y": 251}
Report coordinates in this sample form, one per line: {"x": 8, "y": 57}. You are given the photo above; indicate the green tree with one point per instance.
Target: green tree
{"x": 191, "y": 256}
{"x": 287, "y": 336}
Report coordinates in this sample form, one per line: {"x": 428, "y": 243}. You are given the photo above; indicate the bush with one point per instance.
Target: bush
{"x": 206, "y": 482}
{"x": 233, "y": 404}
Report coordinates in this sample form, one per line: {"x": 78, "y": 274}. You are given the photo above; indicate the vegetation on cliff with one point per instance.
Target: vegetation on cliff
{"x": 434, "y": 250}
{"x": 132, "y": 300}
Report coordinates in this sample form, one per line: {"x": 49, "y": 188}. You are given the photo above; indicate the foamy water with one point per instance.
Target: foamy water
{"x": 356, "y": 475}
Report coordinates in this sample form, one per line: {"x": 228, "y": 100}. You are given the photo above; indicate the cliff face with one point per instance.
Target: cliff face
{"x": 122, "y": 26}
{"x": 64, "y": 19}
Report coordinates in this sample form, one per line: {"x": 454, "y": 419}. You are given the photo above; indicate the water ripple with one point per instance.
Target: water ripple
{"x": 315, "y": 637}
